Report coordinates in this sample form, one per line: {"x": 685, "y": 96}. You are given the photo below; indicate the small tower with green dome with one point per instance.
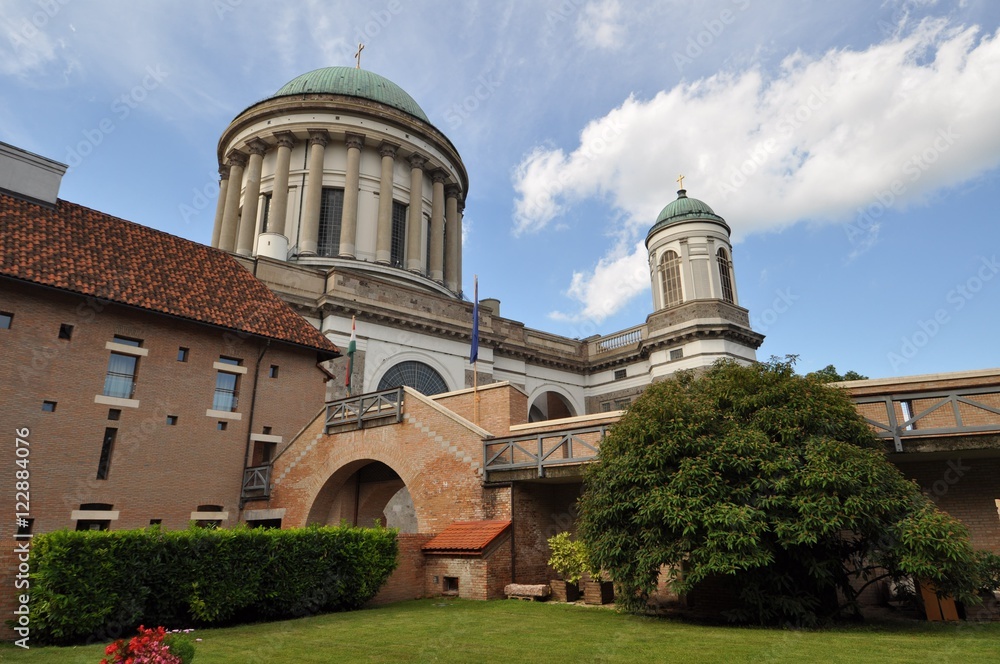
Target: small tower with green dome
{"x": 696, "y": 312}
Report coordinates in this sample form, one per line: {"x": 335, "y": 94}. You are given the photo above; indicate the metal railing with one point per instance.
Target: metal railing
{"x": 374, "y": 408}
{"x": 923, "y": 414}
{"x": 543, "y": 450}
{"x": 256, "y": 482}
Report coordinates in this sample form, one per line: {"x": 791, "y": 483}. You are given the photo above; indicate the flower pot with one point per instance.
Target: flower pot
{"x": 597, "y": 591}
{"x": 563, "y": 591}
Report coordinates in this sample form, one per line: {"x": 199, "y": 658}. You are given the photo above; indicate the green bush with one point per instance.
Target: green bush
{"x": 103, "y": 584}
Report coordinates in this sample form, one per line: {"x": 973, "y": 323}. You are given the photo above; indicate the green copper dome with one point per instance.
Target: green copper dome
{"x": 354, "y": 83}
{"x": 685, "y": 209}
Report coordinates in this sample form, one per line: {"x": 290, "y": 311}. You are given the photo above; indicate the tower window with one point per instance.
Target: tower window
{"x": 397, "y": 246}
{"x": 265, "y": 212}
{"x": 726, "y": 275}
{"x": 670, "y": 279}
{"x": 331, "y": 211}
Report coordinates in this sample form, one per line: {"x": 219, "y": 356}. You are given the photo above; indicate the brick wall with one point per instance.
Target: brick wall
{"x": 157, "y": 471}
{"x": 539, "y": 512}
{"x": 408, "y": 580}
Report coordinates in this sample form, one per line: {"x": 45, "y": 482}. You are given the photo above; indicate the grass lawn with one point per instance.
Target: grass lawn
{"x": 512, "y": 632}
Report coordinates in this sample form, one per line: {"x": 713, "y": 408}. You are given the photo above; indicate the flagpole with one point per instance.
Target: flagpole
{"x": 475, "y": 352}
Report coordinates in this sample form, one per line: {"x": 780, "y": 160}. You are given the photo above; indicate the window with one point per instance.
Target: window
{"x": 622, "y": 404}
{"x": 202, "y": 513}
{"x": 107, "y": 447}
{"x": 620, "y": 374}
{"x": 670, "y": 279}
{"x": 127, "y": 341}
{"x": 95, "y": 524}
{"x": 907, "y": 407}
{"x": 24, "y": 527}
{"x": 114, "y": 414}
{"x": 66, "y": 331}
{"x": 6, "y": 319}
{"x": 606, "y": 407}
{"x": 226, "y": 395}
{"x": 676, "y": 354}
{"x": 397, "y": 249}
{"x": 726, "y": 274}
{"x": 451, "y": 585}
{"x": 182, "y": 354}
{"x": 265, "y": 212}
{"x": 331, "y": 210}
{"x": 414, "y": 374}
{"x": 155, "y": 522}
{"x": 171, "y": 420}
{"x": 267, "y": 431}
{"x": 220, "y": 426}
{"x": 273, "y": 371}
{"x": 120, "y": 379}
{"x": 48, "y": 406}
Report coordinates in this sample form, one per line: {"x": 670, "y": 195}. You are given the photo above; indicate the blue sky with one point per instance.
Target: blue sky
{"x": 853, "y": 146}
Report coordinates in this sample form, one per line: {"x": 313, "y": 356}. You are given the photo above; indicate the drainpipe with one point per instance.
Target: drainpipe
{"x": 253, "y": 405}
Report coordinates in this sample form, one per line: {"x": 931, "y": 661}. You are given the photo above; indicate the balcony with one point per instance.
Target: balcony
{"x": 256, "y": 483}
{"x": 559, "y": 453}
{"x": 365, "y": 410}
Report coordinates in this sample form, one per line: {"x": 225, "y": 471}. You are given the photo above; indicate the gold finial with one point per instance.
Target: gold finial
{"x": 357, "y": 56}
{"x": 680, "y": 179}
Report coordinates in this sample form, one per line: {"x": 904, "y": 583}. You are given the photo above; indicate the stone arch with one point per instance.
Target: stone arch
{"x": 365, "y": 492}
{"x": 550, "y": 402}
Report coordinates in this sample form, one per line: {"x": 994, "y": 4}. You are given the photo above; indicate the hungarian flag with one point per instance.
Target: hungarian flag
{"x": 474, "y": 352}
{"x": 352, "y": 346}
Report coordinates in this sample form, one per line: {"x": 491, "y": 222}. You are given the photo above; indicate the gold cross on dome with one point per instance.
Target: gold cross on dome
{"x": 357, "y": 56}
{"x": 680, "y": 180}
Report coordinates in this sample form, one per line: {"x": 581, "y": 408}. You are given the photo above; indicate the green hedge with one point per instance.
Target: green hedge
{"x": 101, "y": 585}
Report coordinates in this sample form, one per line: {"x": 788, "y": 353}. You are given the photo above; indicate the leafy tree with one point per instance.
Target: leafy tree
{"x": 829, "y": 374}
{"x": 769, "y": 479}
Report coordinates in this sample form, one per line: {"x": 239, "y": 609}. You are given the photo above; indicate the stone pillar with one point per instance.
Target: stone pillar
{"x": 279, "y": 195}
{"x": 231, "y": 213}
{"x": 383, "y": 238}
{"x": 251, "y": 198}
{"x": 309, "y": 235}
{"x": 349, "y": 220}
{"x": 414, "y": 222}
{"x": 453, "y": 237}
{"x": 458, "y": 267}
{"x": 436, "y": 268}
{"x": 220, "y": 206}
{"x": 688, "y": 287}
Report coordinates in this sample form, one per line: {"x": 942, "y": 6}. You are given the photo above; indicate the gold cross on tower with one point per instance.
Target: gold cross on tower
{"x": 357, "y": 56}
{"x": 680, "y": 179}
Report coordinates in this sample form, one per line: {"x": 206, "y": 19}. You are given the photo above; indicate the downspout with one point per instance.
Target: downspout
{"x": 253, "y": 405}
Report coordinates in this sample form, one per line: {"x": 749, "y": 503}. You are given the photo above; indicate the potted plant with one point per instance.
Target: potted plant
{"x": 568, "y": 559}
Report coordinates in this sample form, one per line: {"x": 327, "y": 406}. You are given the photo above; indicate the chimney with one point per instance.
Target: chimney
{"x": 29, "y": 176}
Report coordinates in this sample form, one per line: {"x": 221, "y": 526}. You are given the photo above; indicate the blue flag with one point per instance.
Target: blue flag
{"x": 474, "y": 353}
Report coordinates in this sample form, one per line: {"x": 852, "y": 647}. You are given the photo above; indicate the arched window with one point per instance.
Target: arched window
{"x": 670, "y": 279}
{"x": 726, "y": 274}
{"x": 414, "y": 374}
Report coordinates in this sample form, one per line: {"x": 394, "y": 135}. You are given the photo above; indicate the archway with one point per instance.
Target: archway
{"x": 550, "y": 405}
{"x": 365, "y": 493}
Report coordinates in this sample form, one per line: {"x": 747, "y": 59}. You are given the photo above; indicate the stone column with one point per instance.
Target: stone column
{"x": 414, "y": 222}
{"x": 714, "y": 283}
{"x": 453, "y": 237}
{"x": 231, "y": 213}
{"x": 279, "y": 195}
{"x": 220, "y": 206}
{"x": 436, "y": 268}
{"x": 309, "y": 235}
{"x": 383, "y": 237}
{"x": 251, "y": 198}
{"x": 688, "y": 287}
{"x": 458, "y": 267}
{"x": 349, "y": 220}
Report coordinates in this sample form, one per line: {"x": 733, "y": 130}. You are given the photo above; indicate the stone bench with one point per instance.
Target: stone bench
{"x": 527, "y": 592}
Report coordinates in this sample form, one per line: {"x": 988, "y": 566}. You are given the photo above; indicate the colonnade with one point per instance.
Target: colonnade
{"x": 240, "y": 177}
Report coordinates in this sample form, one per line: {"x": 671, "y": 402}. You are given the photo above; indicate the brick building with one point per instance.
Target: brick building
{"x": 145, "y": 371}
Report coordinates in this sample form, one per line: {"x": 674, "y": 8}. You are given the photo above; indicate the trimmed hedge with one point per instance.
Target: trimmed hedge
{"x": 101, "y": 585}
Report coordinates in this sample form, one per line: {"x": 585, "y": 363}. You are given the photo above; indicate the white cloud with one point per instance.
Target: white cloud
{"x": 618, "y": 278}
{"x": 821, "y": 140}
{"x": 25, "y": 45}
{"x": 600, "y": 25}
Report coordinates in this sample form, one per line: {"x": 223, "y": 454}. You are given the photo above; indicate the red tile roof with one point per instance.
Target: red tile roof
{"x": 80, "y": 250}
{"x": 467, "y": 537}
